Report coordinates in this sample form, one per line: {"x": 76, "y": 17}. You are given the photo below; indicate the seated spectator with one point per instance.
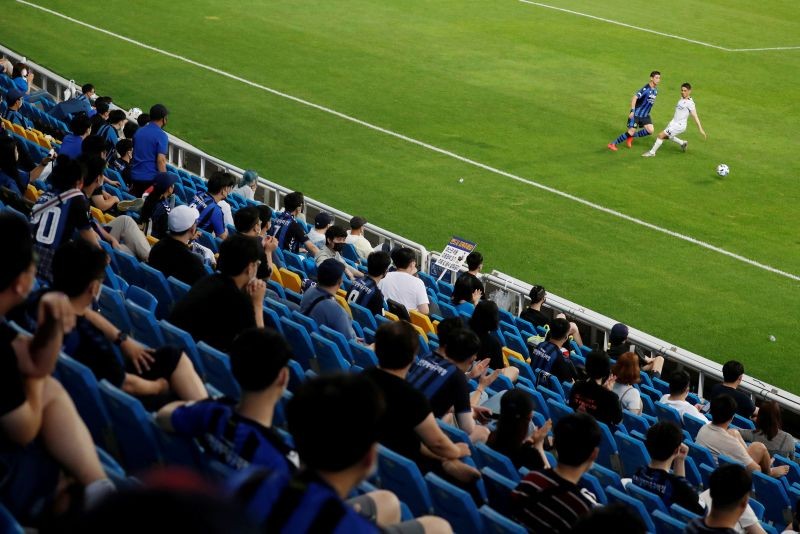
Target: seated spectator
{"x": 408, "y": 426}
{"x": 79, "y": 104}
{"x": 154, "y": 376}
{"x": 678, "y": 391}
{"x": 80, "y": 127}
{"x": 365, "y": 291}
{"x": 124, "y": 155}
{"x": 41, "y": 431}
{"x": 241, "y": 434}
{"x": 619, "y": 345}
{"x": 265, "y": 216}
{"x": 102, "y": 108}
{"x": 12, "y": 114}
{"x": 100, "y": 199}
{"x": 511, "y": 436}
{"x": 534, "y": 315}
{"x": 467, "y": 292}
{"x": 150, "y": 145}
{"x": 59, "y": 213}
{"x": 550, "y": 500}
{"x": 247, "y": 222}
{"x": 768, "y": 431}
{"x": 402, "y": 285}
{"x": 22, "y": 78}
{"x": 719, "y": 439}
{"x": 154, "y": 215}
{"x": 319, "y": 302}
{"x": 332, "y": 248}
{"x": 291, "y": 235}
{"x": 338, "y": 453}
{"x": 212, "y": 218}
{"x": 474, "y": 265}
{"x": 627, "y": 372}
{"x": 748, "y": 522}
{"x": 595, "y": 395}
{"x": 322, "y": 222}
{"x": 12, "y": 176}
{"x": 110, "y": 131}
{"x": 222, "y": 305}
{"x": 247, "y": 185}
{"x": 617, "y": 518}
{"x": 441, "y": 378}
{"x": 732, "y": 375}
{"x": 667, "y": 451}
{"x": 173, "y": 255}
{"x": 730, "y": 487}
{"x": 356, "y": 237}
{"x": 549, "y": 355}
{"x": 484, "y": 321}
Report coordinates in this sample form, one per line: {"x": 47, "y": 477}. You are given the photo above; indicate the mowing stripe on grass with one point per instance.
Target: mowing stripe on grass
{"x": 427, "y": 146}
{"x": 662, "y": 34}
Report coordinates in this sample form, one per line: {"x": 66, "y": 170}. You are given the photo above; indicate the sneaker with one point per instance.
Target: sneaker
{"x": 130, "y": 205}
{"x": 684, "y": 145}
{"x": 629, "y": 142}
{"x": 648, "y": 154}
{"x": 612, "y": 146}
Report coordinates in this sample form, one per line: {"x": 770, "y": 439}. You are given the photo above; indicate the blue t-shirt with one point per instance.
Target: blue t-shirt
{"x": 325, "y": 310}
{"x": 15, "y": 117}
{"x": 109, "y": 133}
{"x": 21, "y": 84}
{"x": 232, "y": 439}
{"x": 148, "y": 142}
{"x": 211, "y": 217}
{"x": 645, "y": 98}
{"x": 71, "y": 146}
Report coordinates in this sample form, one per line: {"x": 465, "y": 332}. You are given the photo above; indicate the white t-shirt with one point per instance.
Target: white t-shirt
{"x": 682, "y": 110}
{"x": 244, "y": 191}
{"x": 629, "y": 397}
{"x": 406, "y": 289}
{"x": 362, "y": 245}
{"x": 747, "y": 519}
{"x": 683, "y": 407}
{"x": 227, "y": 214}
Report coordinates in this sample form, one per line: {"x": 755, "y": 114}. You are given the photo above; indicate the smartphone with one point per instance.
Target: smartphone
{"x": 705, "y": 407}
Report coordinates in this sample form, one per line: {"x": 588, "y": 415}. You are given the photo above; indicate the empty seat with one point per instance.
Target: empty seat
{"x": 217, "y": 365}
{"x": 402, "y": 476}
{"x": 455, "y": 505}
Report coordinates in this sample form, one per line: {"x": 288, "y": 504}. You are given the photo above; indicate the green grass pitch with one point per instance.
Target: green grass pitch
{"x": 523, "y": 88}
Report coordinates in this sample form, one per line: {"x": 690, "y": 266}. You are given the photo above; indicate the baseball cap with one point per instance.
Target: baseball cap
{"x": 619, "y": 332}
{"x": 13, "y": 95}
{"x": 322, "y": 220}
{"x": 158, "y": 112}
{"x": 357, "y": 222}
{"x": 165, "y": 179}
{"x": 181, "y": 218}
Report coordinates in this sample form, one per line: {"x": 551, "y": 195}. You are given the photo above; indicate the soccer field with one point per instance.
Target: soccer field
{"x": 512, "y": 97}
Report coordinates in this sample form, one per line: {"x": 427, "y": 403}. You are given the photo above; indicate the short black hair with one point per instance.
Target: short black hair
{"x": 264, "y": 214}
{"x": 576, "y": 436}
{"x": 378, "y": 263}
{"x": 537, "y": 293}
{"x": 158, "y": 112}
{"x": 333, "y": 232}
{"x": 67, "y": 172}
{"x": 94, "y": 166}
{"x": 462, "y": 344}
{"x": 723, "y": 407}
{"x": 334, "y": 420}
{"x": 143, "y": 119}
{"x": 474, "y": 260}
{"x": 129, "y": 130}
{"x": 219, "y": 181}
{"x": 93, "y": 145}
{"x": 257, "y": 356}
{"x": 598, "y": 365}
{"x": 116, "y": 115}
{"x": 687, "y": 85}
{"x": 678, "y": 382}
{"x": 485, "y": 318}
{"x": 465, "y": 286}
{"x": 447, "y": 327}
{"x": 662, "y": 440}
{"x": 396, "y": 344}
{"x": 17, "y": 246}
{"x": 616, "y": 517}
{"x": 728, "y": 484}
{"x": 732, "y": 370}
{"x": 76, "y": 264}
{"x": 558, "y": 329}
{"x": 85, "y": 88}
{"x": 292, "y": 201}
{"x": 79, "y": 124}
{"x": 403, "y": 257}
{"x": 245, "y": 218}
{"x": 124, "y": 146}
{"x": 237, "y": 252}
{"x": 101, "y": 106}
{"x": 655, "y": 73}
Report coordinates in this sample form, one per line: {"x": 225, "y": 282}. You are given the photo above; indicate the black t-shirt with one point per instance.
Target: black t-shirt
{"x": 491, "y": 348}
{"x": 744, "y": 404}
{"x": 603, "y": 404}
{"x": 671, "y": 488}
{"x": 406, "y": 407}
{"x": 264, "y": 270}
{"x": 173, "y": 258}
{"x": 12, "y": 387}
{"x": 214, "y": 311}
{"x": 295, "y": 237}
{"x": 535, "y": 317}
{"x": 615, "y": 350}
{"x": 698, "y": 526}
{"x": 521, "y": 455}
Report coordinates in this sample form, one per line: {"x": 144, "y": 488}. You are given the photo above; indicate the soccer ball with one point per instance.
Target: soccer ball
{"x": 723, "y": 169}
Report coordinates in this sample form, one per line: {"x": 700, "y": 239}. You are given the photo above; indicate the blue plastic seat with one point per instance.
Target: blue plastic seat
{"x": 682, "y": 514}
{"x": 500, "y": 463}
{"x": 701, "y": 455}
{"x": 455, "y": 505}
{"x": 157, "y": 285}
{"x": 112, "y": 307}
{"x": 310, "y": 324}
{"x": 525, "y": 370}
{"x": 329, "y": 357}
{"x": 635, "y": 422}
{"x": 217, "y": 365}
{"x": 499, "y": 488}
{"x": 552, "y": 383}
{"x": 592, "y": 483}
{"x": 609, "y": 450}
{"x": 402, "y": 477}
{"x": 363, "y": 356}
{"x": 650, "y": 500}
{"x": 128, "y": 267}
{"x": 693, "y": 472}
{"x": 363, "y": 316}
{"x": 693, "y": 425}
{"x": 666, "y": 524}
{"x": 81, "y": 384}
{"x": 179, "y": 289}
{"x": 668, "y": 413}
{"x": 300, "y": 341}
{"x": 615, "y": 495}
{"x": 272, "y": 319}
{"x": 558, "y": 410}
{"x": 632, "y": 454}
{"x": 8, "y": 522}
{"x": 142, "y": 297}
{"x": 296, "y": 375}
{"x": 496, "y": 523}
{"x": 742, "y": 422}
{"x": 771, "y": 493}
{"x": 340, "y": 340}
{"x": 132, "y": 427}
{"x": 660, "y": 385}
{"x": 282, "y": 309}
{"x": 182, "y": 339}
{"x": 539, "y": 404}
{"x": 145, "y": 328}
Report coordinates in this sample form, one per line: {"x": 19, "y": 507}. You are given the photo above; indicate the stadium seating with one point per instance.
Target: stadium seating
{"x": 402, "y": 476}
{"x": 615, "y": 495}
{"x": 498, "y": 489}
{"x": 133, "y": 428}
{"x": 666, "y": 524}
{"x": 80, "y": 383}
{"x": 454, "y": 504}
{"x": 500, "y": 463}
{"x": 217, "y": 366}
{"x": 495, "y": 523}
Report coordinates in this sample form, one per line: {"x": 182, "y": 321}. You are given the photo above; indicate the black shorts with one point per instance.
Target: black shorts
{"x": 639, "y": 122}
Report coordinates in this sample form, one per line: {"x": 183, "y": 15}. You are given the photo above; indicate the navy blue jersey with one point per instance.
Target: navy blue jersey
{"x": 289, "y": 233}
{"x": 211, "y": 218}
{"x": 645, "y": 98}
{"x": 365, "y": 293}
{"x": 544, "y": 356}
{"x": 444, "y": 384}
{"x": 54, "y": 219}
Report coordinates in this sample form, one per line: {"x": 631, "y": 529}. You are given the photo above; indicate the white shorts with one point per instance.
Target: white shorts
{"x": 674, "y": 128}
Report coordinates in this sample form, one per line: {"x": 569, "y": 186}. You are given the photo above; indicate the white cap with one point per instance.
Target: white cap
{"x": 181, "y": 218}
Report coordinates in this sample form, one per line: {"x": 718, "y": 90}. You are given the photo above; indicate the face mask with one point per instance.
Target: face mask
{"x": 338, "y": 247}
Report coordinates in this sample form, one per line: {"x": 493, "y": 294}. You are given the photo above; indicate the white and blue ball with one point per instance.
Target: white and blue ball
{"x": 723, "y": 170}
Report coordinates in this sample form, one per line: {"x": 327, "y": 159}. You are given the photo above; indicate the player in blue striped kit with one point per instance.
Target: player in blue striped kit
{"x": 639, "y": 116}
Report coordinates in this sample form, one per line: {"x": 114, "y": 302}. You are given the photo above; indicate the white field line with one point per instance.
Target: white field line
{"x": 648, "y": 30}
{"x": 430, "y": 147}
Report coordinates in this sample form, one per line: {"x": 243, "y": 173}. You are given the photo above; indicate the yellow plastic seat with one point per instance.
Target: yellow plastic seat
{"x": 98, "y": 215}
{"x": 420, "y": 331}
{"x": 291, "y": 280}
{"x": 423, "y": 321}
{"x": 31, "y": 193}
{"x": 343, "y": 303}
{"x": 389, "y": 315}
{"x": 276, "y": 276}
{"x": 508, "y": 353}
{"x": 17, "y": 129}
{"x": 152, "y": 240}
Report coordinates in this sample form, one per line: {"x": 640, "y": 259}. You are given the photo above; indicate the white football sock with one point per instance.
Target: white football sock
{"x": 656, "y": 145}
{"x": 676, "y": 139}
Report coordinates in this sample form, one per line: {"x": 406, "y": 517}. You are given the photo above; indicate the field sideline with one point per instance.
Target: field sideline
{"x": 531, "y": 91}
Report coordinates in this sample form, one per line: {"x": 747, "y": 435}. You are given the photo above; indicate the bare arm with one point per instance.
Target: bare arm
{"x": 311, "y": 248}
{"x": 161, "y": 162}
{"x": 136, "y": 385}
{"x": 22, "y": 424}
{"x": 437, "y": 441}
{"x": 91, "y": 236}
{"x": 424, "y": 309}
{"x": 104, "y": 203}
{"x": 693, "y": 113}
{"x": 465, "y": 422}
{"x": 37, "y": 355}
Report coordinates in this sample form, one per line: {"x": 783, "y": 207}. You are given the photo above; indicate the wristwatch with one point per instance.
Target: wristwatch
{"x": 121, "y": 337}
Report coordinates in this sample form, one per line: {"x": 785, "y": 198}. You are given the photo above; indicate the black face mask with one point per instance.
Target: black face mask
{"x": 338, "y": 247}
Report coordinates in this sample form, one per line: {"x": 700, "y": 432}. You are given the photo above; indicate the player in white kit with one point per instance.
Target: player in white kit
{"x": 677, "y": 125}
